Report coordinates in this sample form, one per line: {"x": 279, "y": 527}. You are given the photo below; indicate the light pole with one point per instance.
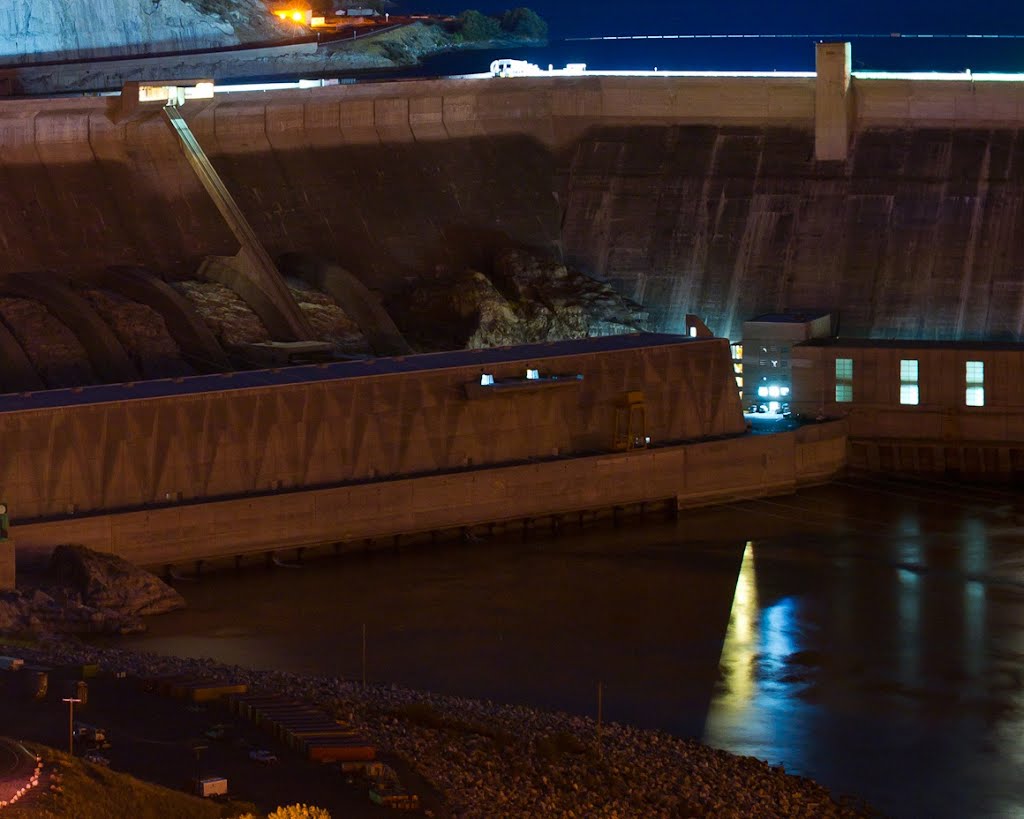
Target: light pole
{"x": 71, "y": 723}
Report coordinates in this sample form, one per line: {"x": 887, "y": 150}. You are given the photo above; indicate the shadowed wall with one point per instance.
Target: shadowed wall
{"x": 690, "y": 194}
{"x": 204, "y": 444}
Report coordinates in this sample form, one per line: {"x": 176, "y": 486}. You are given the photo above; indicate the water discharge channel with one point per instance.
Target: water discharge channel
{"x": 868, "y": 634}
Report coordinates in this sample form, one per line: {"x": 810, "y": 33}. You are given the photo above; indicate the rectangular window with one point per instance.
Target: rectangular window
{"x": 975, "y": 393}
{"x": 909, "y": 392}
{"x": 844, "y": 380}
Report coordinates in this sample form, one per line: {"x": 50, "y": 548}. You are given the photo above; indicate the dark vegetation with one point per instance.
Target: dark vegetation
{"x": 520, "y": 23}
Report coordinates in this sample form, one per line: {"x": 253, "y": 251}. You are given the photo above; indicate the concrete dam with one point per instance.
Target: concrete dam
{"x": 894, "y": 204}
{"x": 690, "y": 195}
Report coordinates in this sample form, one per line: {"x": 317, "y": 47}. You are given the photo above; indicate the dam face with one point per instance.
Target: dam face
{"x": 698, "y": 195}
{"x": 915, "y": 236}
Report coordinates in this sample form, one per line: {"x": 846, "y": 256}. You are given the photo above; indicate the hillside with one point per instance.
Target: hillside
{"x": 34, "y": 30}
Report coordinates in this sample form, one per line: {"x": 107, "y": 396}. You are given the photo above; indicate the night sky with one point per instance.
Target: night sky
{"x": 598, "y": 18}
{"x": 604, "y": 17}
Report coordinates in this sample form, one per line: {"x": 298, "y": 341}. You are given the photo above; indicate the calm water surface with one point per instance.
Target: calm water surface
{"x": 869, "y": 634}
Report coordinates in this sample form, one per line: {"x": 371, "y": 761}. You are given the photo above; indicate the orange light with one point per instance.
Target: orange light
{"x": 291, "y": 15}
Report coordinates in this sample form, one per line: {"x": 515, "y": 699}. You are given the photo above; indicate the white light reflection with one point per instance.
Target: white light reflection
{"x": 755, "y": 709}
{"x": 737, "y": 664}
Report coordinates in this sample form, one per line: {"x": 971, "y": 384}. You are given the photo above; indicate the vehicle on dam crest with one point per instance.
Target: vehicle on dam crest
{"x": 506, "y": 67}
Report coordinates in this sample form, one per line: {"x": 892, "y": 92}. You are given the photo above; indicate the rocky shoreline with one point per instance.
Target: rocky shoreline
{"x": 486, "y": 759}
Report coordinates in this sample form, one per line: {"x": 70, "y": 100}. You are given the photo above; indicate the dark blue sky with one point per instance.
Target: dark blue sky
{"x": 605, "y": 17}
{"x": 598, "y": 18}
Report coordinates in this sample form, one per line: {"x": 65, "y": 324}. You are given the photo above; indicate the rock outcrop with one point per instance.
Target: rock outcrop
{"x": 527, "y": 299}
{"x": 87, "y": 591}
{"x": 329, "y": 322}
{"x": 142, "y": 332}
{"x": 230, "y": 319}
{"x": 107, "y": 581}
{"x": 53, "y": 349}
{"x": 64, "y": 29}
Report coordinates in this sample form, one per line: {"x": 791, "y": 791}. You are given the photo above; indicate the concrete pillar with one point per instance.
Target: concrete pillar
{"x": 833, "y": 102}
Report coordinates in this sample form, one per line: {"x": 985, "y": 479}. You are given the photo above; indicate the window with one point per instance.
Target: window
{"x": 909, "y": 392}
{"x": 844, "y": 380}
{"x": 975, "y": 393}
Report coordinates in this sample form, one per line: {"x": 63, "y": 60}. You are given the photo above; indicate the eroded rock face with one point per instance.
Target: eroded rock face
{"x": 229, "y": 318}
{"x": 55, "y": 352}
{"x": 143, "y": 333}
{"x": 528, "y": 299}
{"x": 329, "y": 321}
{"x": 68, "y": 29}
{"x": 105, "y": 581}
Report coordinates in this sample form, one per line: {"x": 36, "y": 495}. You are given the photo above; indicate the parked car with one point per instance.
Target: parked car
{"x": 262, "y": 756}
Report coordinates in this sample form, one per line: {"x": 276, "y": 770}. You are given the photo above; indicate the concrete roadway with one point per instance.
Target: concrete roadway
{"x": 16, "y": 767}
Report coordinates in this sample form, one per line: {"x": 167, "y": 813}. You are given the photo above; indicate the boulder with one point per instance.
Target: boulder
{"x": 109, "y": 582}
{"x": 583, "y": 304}
{"x": 527, "y": 299}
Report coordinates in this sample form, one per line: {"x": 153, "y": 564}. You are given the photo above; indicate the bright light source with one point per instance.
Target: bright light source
{"x": 533, "y": 375}
{"x": 784, "y": 391}
{"x": 693, "y": 332}
{"x": 773, "y": 406}
{"x": 297, "y": 16}
{"x": 773, "y": 391}
{"x": 486, "y": 380}
{"x": 762, "y": 392}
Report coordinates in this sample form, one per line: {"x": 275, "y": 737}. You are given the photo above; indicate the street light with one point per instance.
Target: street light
{"x": 71, "y": 723}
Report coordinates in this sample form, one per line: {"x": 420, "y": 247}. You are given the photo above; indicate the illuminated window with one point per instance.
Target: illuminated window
{"x": 909, "y": 392}
{"x": 844, "y": 380}
{"x": 533, "y": 375}
{"x": 975, "y": 394}
{"x": 486, "y": 380}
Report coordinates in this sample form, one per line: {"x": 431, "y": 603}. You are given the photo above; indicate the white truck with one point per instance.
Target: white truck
{"x": 506, "y": 67}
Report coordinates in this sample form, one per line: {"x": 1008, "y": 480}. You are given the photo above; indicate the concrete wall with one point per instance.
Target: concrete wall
{"x": 694, "y": 475}
{"x": 126, "y": 453}
{"x": 942, "y": 413}
{"x": 698, "y": 195}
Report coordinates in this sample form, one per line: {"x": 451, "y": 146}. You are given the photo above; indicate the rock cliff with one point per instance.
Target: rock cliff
{"x": 32, "y": 30}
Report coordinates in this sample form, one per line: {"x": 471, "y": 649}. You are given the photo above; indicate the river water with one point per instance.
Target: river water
{"x": 868, "y": 634}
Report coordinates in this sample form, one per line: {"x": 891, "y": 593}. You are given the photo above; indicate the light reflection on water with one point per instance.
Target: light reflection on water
{"x": 869, "y": 635}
